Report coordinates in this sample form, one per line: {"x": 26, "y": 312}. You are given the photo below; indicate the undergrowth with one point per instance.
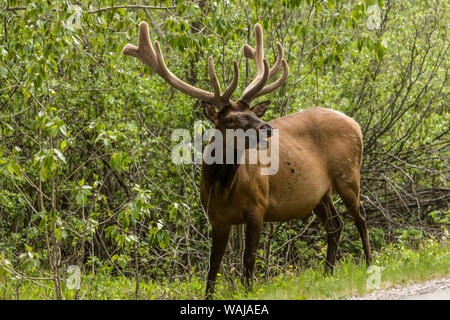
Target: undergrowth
{"x": 394, "y": 264}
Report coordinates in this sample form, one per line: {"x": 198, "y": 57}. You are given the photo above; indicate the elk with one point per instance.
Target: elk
{"x": 320, "y": 151}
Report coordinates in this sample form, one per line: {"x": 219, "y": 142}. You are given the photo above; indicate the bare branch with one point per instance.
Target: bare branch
{"x": 131, "y": 6}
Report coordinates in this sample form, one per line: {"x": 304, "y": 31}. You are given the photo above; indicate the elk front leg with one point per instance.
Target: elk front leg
{"x": 220, "y": 234}
{"x": 252, "y": 236}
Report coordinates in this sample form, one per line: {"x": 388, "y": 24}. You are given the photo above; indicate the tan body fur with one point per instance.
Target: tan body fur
{"x": 304, "y": 175}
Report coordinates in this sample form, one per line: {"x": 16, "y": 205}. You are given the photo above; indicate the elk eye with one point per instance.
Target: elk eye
{"x": 228, "y": 120}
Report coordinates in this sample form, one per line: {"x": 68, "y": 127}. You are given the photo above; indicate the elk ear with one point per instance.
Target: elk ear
{"x": 260, "y": 108}
{"x": 210, "y": 111}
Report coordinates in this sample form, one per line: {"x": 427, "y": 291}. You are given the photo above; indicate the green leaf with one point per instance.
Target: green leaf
{"x": 63, "y": 145}
{"x": 47, "y": 166}
{"x": 13, "y": 168}
{"x": 3, "y": 72}
{"x": 379, "y": 50}
{"x": 59, "y": 155}
{"x": 360, "y": 44}
{"x": 119, "y": 161}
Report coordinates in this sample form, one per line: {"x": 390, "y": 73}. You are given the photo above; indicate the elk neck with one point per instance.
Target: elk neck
{"x": 223, "y": 173}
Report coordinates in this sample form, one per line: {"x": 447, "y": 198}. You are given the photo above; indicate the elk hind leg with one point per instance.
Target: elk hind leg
{"x": 349, "y": 193}
{"x": 329, "y": 217}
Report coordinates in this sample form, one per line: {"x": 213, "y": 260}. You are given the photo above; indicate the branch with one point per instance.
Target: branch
{"x": 15, "y": 8}
{"x": 130, "y": 7}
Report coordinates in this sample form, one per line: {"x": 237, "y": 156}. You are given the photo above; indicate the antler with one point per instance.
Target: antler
{"x": 155, "y": 60}
{"x": 257, "y": 87}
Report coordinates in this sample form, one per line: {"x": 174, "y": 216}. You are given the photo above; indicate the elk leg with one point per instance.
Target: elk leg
{"x": 220, "y": 234}
{"x": 329, "y": 217}
{"x": 350, "y": 196}
{"x": 252, "y": 236}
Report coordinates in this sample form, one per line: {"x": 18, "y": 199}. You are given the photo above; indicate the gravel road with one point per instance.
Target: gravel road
{"x": 437, "y": 289}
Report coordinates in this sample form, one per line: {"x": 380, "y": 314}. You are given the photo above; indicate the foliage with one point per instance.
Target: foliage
{"x": 399, "y": 266}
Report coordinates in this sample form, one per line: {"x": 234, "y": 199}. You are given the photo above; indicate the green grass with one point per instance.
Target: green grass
{"x": 400, "y": 265}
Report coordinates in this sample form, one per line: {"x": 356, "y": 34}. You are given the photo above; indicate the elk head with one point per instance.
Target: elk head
{"x": 218, "y": 107}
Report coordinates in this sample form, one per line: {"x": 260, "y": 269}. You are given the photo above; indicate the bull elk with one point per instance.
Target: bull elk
{"x": 319, "y": 151}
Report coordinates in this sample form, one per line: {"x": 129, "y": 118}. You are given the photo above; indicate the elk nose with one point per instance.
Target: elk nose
{"x": 267, "y": 129}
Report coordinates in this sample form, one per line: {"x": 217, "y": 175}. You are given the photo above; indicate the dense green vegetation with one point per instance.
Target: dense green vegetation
{"x": 399, "y": 266}
{"x": 85, "y": 139}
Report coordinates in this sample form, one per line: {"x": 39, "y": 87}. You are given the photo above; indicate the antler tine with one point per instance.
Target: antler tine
{"x": 256, "y": 55}
{"x": 249, "y": 52}
{"x": 251, "y": 91}
{"x": 213, "y": 78}
{"x": 276, "y": 84}
{"x": 233, "y": 85}
{"x": 144, "y": 51}
{"x": 277, "y": 66}
{"x": 225, "y": 98}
